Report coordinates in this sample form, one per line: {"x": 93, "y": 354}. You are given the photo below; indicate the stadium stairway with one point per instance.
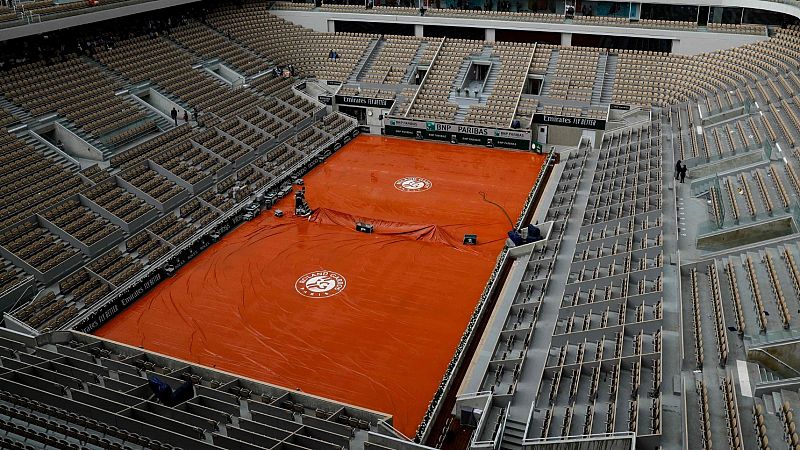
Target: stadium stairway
{"x": 513, "y": 435}
{"x": 491, "y": 80}
{"x": 104, "y": 149}
{"x": 547, "y": 84}
{"x": 370, "y": 61}
{"x": 599, "y": 79}
{"x": 609, "y": 75}
{"x": 536, "y": 358}
{"x": 412, "y": 66}
{"x": 18, "y": 112}
{"x": 48, "y": 152}
{"x": 465, "y": 103}
{"x": 162, "y": 121}
{"x": 119, "y": 79}
{"x": 361, "y": 66}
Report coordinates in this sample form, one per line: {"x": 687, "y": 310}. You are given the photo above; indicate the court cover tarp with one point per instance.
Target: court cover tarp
{"x": 309, "y": 303}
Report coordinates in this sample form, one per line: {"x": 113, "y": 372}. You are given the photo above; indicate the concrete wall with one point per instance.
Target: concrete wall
{"x": 165, "y": 105}
{"x": 52, "y": 147}
{"x": 75, "y": 145}
{"x": 21, "y": 292}
{"x": 558, "y": 135}
{"x": 745, "y": 235}
{"x": 231, "y": 75}
{"x": 684, "y": 42}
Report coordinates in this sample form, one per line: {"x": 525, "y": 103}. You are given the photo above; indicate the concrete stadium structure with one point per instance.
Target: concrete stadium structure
{"x": 655, "y": 313}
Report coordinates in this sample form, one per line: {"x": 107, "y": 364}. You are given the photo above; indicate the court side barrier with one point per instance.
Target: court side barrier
{"x": 127, "y": 293}
{"x": 465, "y": 349}
{"x": 538, "y": 189}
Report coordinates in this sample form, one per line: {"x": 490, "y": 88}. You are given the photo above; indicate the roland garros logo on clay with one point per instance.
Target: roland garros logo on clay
{"x": 412, "y": 184}
{"x": 320, "y": 284}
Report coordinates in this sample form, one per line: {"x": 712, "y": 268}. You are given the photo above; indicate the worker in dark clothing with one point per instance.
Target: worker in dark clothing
{"x": 174, "y": 114}
{"x": 185, "y": 116}
{"x": 683, "y": 172}
{"x": 678, "y": 169}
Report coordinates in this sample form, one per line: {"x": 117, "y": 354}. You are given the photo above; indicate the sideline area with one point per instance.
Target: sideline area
{"x": 309, "y": 303}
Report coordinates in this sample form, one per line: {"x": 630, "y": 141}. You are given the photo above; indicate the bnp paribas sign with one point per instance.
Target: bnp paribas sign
{"x": 458, "y": 133}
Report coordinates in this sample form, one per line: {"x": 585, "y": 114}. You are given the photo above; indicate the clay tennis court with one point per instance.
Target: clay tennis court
{"x": 367, "y": 319}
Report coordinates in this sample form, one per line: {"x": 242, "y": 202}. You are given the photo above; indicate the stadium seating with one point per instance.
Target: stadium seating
{"x": 599, "y": 365}
{"x": 91, "y": 393}
{"x": 29, "y": 182}
{"x": 62, "y": 88}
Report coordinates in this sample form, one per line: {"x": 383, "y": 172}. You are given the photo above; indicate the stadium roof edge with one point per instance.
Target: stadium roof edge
{"x": 96, "y": 15}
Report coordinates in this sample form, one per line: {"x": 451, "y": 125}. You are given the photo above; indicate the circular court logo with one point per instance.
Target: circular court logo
{"x": 320, "y": 284}
{"x": 412, "y": 184}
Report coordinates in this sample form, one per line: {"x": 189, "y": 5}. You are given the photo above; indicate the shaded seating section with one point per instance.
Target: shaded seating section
{"x": 218, "y": 201}
{"x": 147, "y": 246}
{"x": 10, "y": 275}
{"x": 36, "y": 246}
{"x": 115, "y": 266}
{"x": 151, "y": 182}
{"x": 335, "y": 124}
{"x": 199, "y": 213}
{"x": 574, "y": 74}
{"x": 80, "y": 221}
{"x": 501, "y": 105}
{"x": 6, "y": 118}
{"x": 75, "y": 89}
{"x": 269, "y": 84}
{"x": 243, "y": 133}
{"x": 189, "y": 162}
{"x": 163, "y": 63}
{"x": 72, "y": 391}
{"x": 278, "y": 159}
{"x": 84, "y": 287}
{"x": 266, "y": 120}
{"x": 432, "y": 98}
{"x": 652, "y": 78}
{"x": 172, "y": 229}
{"x": 118, "y": 201}
{"x": 29, "y": 182}
{"x": 47, "y": 311}
{"x": 150, "y": 147}
{"x": 222, "y": 145}
{"x": 7, "y": 14}
{"x": 208, "y": 44}
{"x": 392, "y": 62}
{"x": 286, "y": 43}
{"x": 297, "y": 102}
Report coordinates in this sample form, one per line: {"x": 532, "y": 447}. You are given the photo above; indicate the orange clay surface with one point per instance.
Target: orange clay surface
{"x": 384, "y": 341}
